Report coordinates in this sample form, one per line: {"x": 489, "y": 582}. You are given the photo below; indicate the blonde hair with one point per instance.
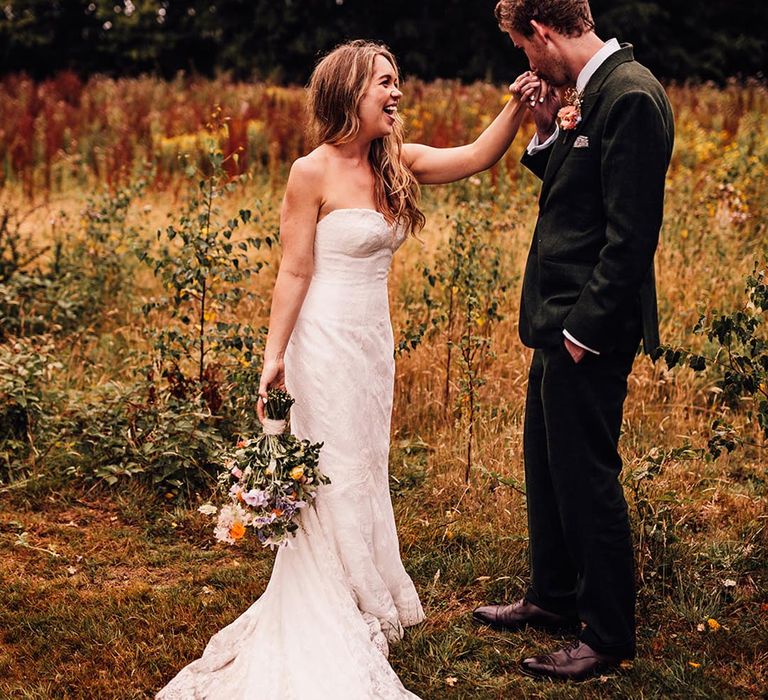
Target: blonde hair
{"x": 336, "y": 89}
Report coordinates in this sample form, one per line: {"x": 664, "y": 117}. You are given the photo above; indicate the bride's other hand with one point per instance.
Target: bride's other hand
{"x": 272, "y": 377}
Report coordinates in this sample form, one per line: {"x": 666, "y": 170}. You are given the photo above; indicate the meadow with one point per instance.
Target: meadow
{"x": 133, "y": 300}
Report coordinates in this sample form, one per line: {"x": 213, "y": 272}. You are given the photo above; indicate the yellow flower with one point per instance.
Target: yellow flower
{"x": 297, "y": 473}
{"x": 713, "y": 624}
{"x": 693, "y": 664}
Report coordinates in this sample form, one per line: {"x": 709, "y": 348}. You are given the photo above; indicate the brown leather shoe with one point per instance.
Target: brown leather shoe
{"x": 576, "y": 662}
{"x": 520, "y": 615}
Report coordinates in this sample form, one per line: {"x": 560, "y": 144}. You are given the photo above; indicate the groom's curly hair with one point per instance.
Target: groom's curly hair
{"x": 567, "y": 17}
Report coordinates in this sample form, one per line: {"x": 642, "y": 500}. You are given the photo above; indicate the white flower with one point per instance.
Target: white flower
{"x": 208, "y": 509}
{"x": 228, "y": 515}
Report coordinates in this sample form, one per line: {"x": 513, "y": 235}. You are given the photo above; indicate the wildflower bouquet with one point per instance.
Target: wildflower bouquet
{"x": 268, "y": 480}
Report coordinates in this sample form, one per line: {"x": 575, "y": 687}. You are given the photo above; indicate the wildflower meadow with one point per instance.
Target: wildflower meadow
{"x": 139, "y": 242}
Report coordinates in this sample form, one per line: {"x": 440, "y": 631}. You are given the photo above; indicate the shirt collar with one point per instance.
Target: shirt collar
{"x": 595, "y": 62}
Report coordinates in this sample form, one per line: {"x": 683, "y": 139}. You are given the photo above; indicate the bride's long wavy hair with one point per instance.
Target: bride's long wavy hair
{"x": 336, "y": 89}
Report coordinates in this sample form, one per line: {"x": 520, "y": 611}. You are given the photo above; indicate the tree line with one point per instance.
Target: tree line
{"x": 280, "y": 40}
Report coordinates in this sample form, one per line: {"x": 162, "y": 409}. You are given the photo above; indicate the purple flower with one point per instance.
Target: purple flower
{"x": 256, "y": 498}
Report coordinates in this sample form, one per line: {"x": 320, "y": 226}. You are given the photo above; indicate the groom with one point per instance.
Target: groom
{"x": 588, "y": 298}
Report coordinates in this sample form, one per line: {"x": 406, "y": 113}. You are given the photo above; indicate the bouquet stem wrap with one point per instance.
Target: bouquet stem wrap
{"x": 268, "y": 480}
{"x": 274, "y": 427}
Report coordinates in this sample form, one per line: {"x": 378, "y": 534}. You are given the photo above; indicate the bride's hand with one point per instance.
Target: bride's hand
{"x": 272, "y": 376}
{"x": 541, "y": 99}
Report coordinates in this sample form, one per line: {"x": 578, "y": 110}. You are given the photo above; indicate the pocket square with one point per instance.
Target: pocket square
{"x": 581, "y": 142}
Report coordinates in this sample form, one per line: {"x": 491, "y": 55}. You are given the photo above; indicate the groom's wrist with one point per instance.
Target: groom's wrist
{"x": 546, "y": 133}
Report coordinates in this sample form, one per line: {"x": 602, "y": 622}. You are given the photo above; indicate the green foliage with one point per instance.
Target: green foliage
{"x": 193, "y": 396}
{"x": 116, "y": 432}
{"x": 75, "y": 285}
{"x": 204, "y": 267}
{"x": 196, "y": 392}
{"x": 16, "y": 249}
{"x": 739, "y": 357}
{"x": 26, "y": 368}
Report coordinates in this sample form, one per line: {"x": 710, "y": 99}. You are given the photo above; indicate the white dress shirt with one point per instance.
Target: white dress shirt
{"x": 608, "y": 48}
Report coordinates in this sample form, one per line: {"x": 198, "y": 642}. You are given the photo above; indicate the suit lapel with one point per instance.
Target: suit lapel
{"x": 591, "y": 92}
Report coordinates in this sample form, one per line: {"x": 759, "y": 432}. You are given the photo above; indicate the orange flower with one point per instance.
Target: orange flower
{"x": 237, "y": 531}
{"x": 277, "y": 512}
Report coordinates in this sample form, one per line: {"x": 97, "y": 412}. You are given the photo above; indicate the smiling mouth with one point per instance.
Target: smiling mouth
{"x": 391, "y": 110}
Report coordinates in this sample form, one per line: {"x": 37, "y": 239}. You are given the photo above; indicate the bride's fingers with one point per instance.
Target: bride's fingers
{"x": 530, "y": 93}
{"x": 543, "y": 92}
{"x": 527, "y": 86}
{"x": 523, "y": 84}
{"x": 261, "y": 399}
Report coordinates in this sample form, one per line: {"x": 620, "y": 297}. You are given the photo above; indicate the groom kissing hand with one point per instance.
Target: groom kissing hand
{"x": 603, "y": 142}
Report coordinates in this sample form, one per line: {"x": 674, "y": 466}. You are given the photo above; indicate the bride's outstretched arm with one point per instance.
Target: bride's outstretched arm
{"x": 435, "y": 166}
{"x": 298, "y": 219}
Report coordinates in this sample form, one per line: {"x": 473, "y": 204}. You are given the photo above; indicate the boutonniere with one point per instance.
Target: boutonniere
{"x": 570, "y": 115}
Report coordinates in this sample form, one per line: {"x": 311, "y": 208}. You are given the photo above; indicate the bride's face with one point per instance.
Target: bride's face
{"x": 379, "y": 104}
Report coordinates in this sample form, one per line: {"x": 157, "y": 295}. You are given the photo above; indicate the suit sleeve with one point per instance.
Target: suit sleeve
{"x": 636, "y": 148}
{"x": 537, "y": 163}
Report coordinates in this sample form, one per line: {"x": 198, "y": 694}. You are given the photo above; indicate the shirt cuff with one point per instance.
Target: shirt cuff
{"x": 581, "y": 345}
{"x": 534, "y": 146}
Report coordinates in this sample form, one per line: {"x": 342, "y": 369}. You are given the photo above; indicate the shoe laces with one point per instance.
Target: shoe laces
{"x": 572, "y": 646}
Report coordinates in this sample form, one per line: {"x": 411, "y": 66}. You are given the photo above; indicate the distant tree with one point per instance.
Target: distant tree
{"x": 282, "y": 39}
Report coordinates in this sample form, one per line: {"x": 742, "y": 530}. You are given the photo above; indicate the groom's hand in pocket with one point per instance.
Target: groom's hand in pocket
{"x": 574, "y": 351}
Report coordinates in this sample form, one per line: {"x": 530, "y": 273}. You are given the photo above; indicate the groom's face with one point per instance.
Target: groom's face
{"x": 543, "y": 57}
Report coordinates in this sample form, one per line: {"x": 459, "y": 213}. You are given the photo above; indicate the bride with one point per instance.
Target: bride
{"x": 340, "y": 594}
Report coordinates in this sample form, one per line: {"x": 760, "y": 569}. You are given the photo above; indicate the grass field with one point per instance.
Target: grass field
{"x": 107, "y": 590}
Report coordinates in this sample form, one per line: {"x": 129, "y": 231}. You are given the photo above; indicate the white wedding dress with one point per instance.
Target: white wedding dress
{"x": 340, "y": 593}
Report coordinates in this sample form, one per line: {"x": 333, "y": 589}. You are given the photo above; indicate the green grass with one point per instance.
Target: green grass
{"x": 110, "y": 592}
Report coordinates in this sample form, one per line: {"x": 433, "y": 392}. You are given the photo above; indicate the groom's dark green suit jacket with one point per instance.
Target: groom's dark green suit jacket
{"x": 590, "y": 266}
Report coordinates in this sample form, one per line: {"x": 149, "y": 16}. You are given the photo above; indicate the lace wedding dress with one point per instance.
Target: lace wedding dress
{"x": 340, "y": 593}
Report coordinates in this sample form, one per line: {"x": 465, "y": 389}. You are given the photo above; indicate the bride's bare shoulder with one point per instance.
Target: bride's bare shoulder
{"x": 307, "y": 173}
{"x": 315, "y": 163}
